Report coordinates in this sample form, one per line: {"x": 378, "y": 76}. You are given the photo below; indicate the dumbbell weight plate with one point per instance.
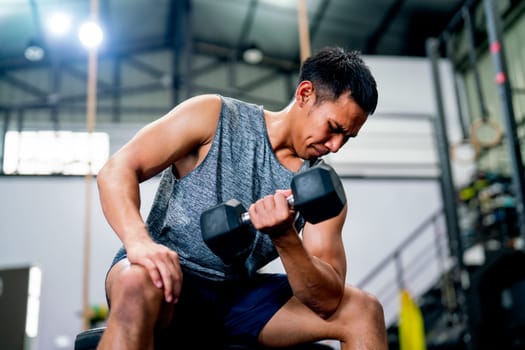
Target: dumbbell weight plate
{"x": 224, "y": 232}
{"x": 318, "y": 193}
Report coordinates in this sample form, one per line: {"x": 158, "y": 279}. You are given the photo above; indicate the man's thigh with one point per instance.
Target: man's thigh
{"x": 295, "y": 324}
{"x": 250, "y": 304}
{"x": 231, "y": 312}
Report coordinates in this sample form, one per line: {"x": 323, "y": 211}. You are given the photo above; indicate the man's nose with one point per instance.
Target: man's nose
{"x": 335, "y": 143}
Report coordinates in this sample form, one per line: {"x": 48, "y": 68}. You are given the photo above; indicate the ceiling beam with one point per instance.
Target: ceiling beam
{"x": 212, "y": 49}
{"x": 256, "y": 83}
{"x": 144, "y": 67}
{"x": 79, "y": 74}
{"x": 24, "y": 86}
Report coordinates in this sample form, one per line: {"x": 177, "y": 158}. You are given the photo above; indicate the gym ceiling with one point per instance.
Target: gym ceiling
{"x": 180, "y": 48}
{"x": 217, "y": 27}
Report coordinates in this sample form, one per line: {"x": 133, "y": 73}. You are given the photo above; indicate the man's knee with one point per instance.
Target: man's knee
{"x": 132, "y": 288}
{"x": 369, "y": 302}
{"x": 362, "y": 305}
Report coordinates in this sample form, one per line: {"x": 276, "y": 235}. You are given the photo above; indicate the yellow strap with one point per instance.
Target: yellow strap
{"x": 411, "y": 326}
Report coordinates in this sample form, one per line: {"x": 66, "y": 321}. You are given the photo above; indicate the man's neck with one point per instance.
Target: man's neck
{"x": 278, "y": 126}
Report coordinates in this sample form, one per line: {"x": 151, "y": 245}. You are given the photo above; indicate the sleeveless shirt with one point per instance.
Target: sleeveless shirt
{"x": 240, "y": 164}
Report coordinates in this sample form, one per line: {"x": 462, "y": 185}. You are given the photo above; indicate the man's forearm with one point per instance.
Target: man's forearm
{"x": 314, "y": 282}
{"x": 120, "y": 201}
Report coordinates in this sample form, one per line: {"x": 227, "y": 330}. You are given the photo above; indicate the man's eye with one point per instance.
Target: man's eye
{"x": 334, "y": 128}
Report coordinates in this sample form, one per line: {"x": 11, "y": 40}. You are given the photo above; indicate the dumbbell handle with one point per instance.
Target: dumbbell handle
{"x": 245, "y": 217}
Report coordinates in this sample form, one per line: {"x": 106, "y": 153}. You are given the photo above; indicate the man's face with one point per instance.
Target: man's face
{"x": 328, "y": 126}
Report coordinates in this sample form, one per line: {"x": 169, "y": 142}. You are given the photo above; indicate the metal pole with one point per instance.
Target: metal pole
{"x": 473, "y": 58}
{"x": 447, "y": 186}
{"x": 188, "y": 50}
{"x": 448, "y": 295}
{"x": 54, "y": 97}
{"x": 449, "y": 53}
{"x": 117, "y": 85}
{"x": 460, "y": 274}
{"x": 447, "y": 182}
{"x": 179, "y": 13}
{"x": 5, "y": 127}
{"x": 505, "y": 93}
{"x": 399, "y": 271}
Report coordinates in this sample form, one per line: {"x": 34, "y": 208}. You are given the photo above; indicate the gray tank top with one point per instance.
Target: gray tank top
{"x": 240, "y": 164}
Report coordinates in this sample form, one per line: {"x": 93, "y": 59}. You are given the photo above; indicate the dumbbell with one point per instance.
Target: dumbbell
{"x": 317, "y": 193}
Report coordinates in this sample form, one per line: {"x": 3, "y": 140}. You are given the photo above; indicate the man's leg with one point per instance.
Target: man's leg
{"x": 358, "y": 323}
{"x": 137, "y": 307}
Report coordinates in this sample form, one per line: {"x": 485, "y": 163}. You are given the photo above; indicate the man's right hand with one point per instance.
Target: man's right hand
{"x": 162, "y": 265}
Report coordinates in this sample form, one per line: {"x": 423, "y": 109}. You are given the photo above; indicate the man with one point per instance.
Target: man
{"x": 166, "y": 288}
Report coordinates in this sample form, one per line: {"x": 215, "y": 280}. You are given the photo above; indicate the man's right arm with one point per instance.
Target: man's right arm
{"x": 182, "y": 135}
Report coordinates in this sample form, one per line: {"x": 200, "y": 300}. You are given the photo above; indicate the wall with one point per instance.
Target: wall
{"x": 42, "y": 218}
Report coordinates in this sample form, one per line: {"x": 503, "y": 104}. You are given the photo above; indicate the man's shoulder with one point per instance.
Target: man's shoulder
{"x": 225, "y": 102}
{"x": 234, "y": 102}
{"x": 204, "y": 98}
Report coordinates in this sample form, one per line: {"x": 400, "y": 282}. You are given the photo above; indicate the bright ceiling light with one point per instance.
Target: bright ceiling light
{"x": 90, "y": 34}
{"x": 252, "y": 54}
{"x": 34, "y": 51}
{"x": 59, "y": 23}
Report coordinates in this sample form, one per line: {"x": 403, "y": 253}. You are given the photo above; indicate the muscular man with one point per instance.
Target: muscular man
{"x": 166, "y": 288}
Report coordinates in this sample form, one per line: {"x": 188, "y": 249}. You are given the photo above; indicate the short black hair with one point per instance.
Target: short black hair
{"x": 334, "y": 71}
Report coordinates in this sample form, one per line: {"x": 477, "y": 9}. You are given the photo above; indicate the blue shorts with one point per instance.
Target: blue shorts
{"x": 215, "y": 312}
{"x": 232, "y": 311}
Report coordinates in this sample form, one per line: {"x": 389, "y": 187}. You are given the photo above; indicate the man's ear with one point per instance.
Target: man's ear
{"x": 304, "y": 92}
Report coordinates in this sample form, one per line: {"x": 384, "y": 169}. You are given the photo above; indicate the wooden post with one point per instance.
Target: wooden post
{"x": 91, "y": 110}
{"x": 304, "y": 31}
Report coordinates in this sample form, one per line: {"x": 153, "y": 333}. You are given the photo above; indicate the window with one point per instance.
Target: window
{"x": 54, "y": 152}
